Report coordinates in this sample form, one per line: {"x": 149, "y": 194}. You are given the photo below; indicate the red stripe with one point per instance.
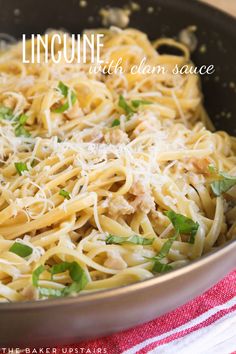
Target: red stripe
{"x": 183, "y": 333}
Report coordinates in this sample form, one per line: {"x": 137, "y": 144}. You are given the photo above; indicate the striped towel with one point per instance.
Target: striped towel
{"x": 205, "y": 325}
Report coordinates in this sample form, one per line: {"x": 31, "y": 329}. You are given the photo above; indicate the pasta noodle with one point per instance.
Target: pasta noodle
{"x": 102, "y": 183}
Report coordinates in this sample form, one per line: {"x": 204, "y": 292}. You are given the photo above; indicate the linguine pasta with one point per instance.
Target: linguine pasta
{"x": 106, "y": 180}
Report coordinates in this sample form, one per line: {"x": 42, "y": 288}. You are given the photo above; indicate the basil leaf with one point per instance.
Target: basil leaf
{"x": 115, "y": 123}
{"x": 159, "y": 267}
{"x": 224, "y": 184}
{"x": 66, "y": 105}
{"x": 212, "y": 169}
{"x": 22, "y": 119}
{"x": 36, "y": 275}
{"x": 65, "y": 194}
{"x": 65, "y": 92}
{"x": 21, "y": 250}
{"x": 77, "y": 274}
{"x": 21, "y": 131}
{"x": 165, "y": 249}
{"x": 137, "y": 103}
{"x": 76, "y": 287}
{"x": 60, "y": 268}
{"x": 63, "y": 89}
{"x": 125, "y": 106}
{"x": 129, "y": 110}
{"x": 72, "y": 289}
{"x": 183, "y": 224}
{"x": 137, "y": 240}
{"x": 6, "y": 113}
{"x": 20, "y": 167}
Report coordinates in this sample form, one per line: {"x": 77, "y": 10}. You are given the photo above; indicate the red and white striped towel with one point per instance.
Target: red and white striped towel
{"x": 205, "y": 325}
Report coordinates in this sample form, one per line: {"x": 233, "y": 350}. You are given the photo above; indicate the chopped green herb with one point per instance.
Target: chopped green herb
{"x": 36, "y": 274}
{"x": 224, "y": 184}
{"x": 131, "y": 109}
{"x": 6, "y": 113}
{"x": 22, "y": 119}
{"x": 21, "y": 167}
{"x": 138, "y": 103}
{"x": 21, "y": 131}
{"x": 64, "y": 194}
{"x": 183, "y": 224}
{"x": 212, "y": 169}
{"x": 66, "y": 105}
{"x": 77, "y": 275}
{"x": 115, "y": 123}
{"x": 60, "y": 268}
{"x": 63, "y": 89}
{"x": 125, "y": 106}
{"x": 76, "y": 287}
{"x": 165, "y": 249}
{"x": 137, "y": 240}
{"x": 21, "y": 250}
{"x": 159, "y": 267}
{"x": 65, "y": 92}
